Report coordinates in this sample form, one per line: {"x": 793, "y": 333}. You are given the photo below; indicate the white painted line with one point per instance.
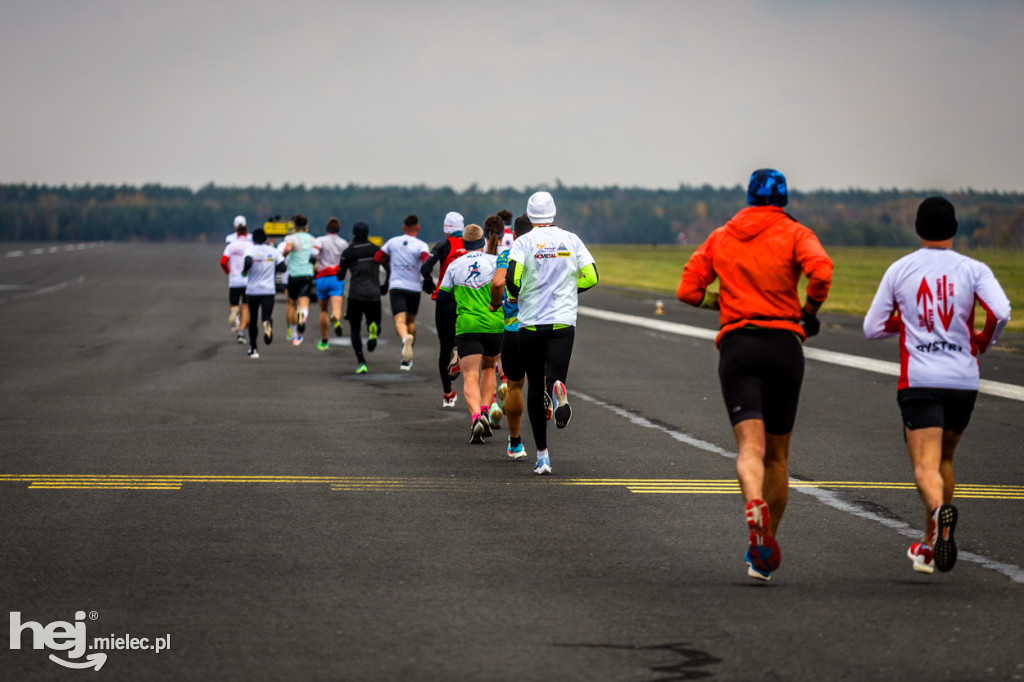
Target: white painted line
{"x": 994, "y": 388}
{"x": 829, "y": 498}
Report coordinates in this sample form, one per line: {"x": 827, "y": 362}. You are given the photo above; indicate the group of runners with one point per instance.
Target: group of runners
{"x": 506, "y": 306}
{"x": 927, "y": 298}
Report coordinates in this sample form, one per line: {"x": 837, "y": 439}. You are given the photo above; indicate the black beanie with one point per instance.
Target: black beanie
{"x": 936, "y": 219}
{"x": 360, "y": 230}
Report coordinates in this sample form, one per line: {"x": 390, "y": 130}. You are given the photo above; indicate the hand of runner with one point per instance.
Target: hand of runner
{"x": 810, "y": 322}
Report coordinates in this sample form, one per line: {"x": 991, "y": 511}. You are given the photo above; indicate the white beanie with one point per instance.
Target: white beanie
{"x": 540, "y": 208}
{"x": 453, "y": 223}
{"x": 239, "y": 221}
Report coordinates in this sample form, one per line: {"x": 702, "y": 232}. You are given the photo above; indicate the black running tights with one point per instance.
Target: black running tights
{"x": 444, "y": 319}
{"x": 257, "y": 304}
{"x": 546, "y": 352}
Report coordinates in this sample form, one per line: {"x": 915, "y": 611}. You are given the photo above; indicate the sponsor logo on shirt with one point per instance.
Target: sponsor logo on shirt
{"x": 929, "y": 304}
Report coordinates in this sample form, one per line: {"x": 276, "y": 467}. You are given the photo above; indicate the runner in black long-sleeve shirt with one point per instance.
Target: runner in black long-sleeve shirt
{"x": 364, "y": 289}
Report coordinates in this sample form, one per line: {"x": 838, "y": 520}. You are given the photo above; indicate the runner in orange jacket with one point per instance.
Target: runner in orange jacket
{"x": 758, "y": 258}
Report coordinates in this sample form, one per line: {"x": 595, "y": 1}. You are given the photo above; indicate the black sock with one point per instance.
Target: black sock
{"x": 515, "y": 441}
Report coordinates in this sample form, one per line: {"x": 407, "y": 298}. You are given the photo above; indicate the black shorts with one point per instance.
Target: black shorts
{"x": 512, "y": 363}
{"x": 761, "y": 371}
{"x": 299, "y": 287}
{"x": 356, "y": 310}
{"x": 478, "y": 344}
{"x": 236, "y": 295}
{"x": 403, "y": 301}
{"x": 947, "y": 408}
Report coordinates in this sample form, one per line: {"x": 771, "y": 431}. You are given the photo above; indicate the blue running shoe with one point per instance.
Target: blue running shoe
{"x": 543, "y": 466}
{"x": 752, "y": 570}
{"x": 516, "y": 451}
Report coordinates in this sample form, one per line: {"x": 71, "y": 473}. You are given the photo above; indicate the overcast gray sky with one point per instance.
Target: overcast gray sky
{"x": 837, "y": 94}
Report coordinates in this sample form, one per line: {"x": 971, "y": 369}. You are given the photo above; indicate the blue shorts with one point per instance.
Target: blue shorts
{"x": 329, "y": 286}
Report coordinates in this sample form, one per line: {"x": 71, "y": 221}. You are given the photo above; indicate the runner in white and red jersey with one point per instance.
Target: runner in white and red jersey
{"x": 244, "y": 234}
{"x": 405, "y": 255}
{"x": 330, "y": 292}
{"x": 928, "y": 298}
{"x": 232, "y": 261}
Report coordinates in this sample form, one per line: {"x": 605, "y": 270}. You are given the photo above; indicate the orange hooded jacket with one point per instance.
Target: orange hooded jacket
{"x": 759, "y": 256}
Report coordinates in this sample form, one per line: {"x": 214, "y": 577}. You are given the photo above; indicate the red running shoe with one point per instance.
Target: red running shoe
{"x": 764, "y": 554}
{"x": 922, "y": 556}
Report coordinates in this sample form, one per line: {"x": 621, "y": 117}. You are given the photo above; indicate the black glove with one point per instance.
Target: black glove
{"x": 428, "y": 285}
{"x": 811, "y": 324}
{"x": 383, "y": 289}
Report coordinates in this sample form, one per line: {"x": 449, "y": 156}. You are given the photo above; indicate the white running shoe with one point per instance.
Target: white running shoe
{"x": 296, "y": 341}
{"x": 268, "y": 332}
{"x": 450, "y": 398}
{"x": 543, "y": 466}
{"x": 563, "y": 413}
{"x": 407, "y": 350}
{"x": 301, "y": 326}
{"x": 254, "y": 354}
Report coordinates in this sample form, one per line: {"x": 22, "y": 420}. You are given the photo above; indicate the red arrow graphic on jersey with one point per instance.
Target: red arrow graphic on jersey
{"x": 924, "y": 305}
{"x": 946, "y": 311}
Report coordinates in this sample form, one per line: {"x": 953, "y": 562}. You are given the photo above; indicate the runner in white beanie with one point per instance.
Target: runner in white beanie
{"x": 547, "y": 269}
{"x": 540, "y": 208}
{"x": 453, "y": 222}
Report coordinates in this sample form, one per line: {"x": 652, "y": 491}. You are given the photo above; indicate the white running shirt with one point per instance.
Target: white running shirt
{"x": 551, "y": 259}
{"x": 235, "y": 251}
{"x": 247, "y": 237}
{"x": 327, "y": 250}
{"x": 407, "y": 255}
{"x": 261, "y": 275}
{"x": 934, "y": 291}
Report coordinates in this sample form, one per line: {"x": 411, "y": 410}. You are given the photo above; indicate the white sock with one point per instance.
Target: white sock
{"x": 541, "y": 454}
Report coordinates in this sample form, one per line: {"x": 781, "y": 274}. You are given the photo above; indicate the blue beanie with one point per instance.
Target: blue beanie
{"x": 767, "y": 188}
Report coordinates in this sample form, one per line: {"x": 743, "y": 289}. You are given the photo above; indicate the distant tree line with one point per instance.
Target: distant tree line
{"x": 600, "y": 215}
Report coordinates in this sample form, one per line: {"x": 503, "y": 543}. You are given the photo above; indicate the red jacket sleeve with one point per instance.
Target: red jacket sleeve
{"x": 816, "y": 264}
{"x": 224, "y": 265}
{"x": 697, "y": 275}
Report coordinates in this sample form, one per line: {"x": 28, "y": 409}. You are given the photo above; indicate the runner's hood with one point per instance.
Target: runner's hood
{"x": 754, "y": 220}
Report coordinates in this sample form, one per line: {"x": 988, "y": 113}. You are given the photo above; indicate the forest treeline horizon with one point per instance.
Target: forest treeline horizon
{"x": 600, "y": 215}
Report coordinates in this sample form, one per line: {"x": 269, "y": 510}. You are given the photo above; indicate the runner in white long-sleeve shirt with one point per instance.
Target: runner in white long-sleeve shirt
{"x": 928, "y": 298}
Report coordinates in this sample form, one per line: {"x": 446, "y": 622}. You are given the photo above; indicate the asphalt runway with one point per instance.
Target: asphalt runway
{"x": 285, "y": 519}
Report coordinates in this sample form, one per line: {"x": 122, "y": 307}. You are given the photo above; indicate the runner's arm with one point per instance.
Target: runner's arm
{"x": 247, "y": 266}
{"x": 882, "y": 319}
{"x": 513, "y": 278}
{"x": 497, "y": 288}
{"x": 991, "y": 297}
{"x": 587, "y": 278}
{"x": 698, "y": 274}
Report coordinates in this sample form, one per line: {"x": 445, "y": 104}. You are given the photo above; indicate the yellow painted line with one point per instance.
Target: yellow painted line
{"x": 646, "y": 486}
